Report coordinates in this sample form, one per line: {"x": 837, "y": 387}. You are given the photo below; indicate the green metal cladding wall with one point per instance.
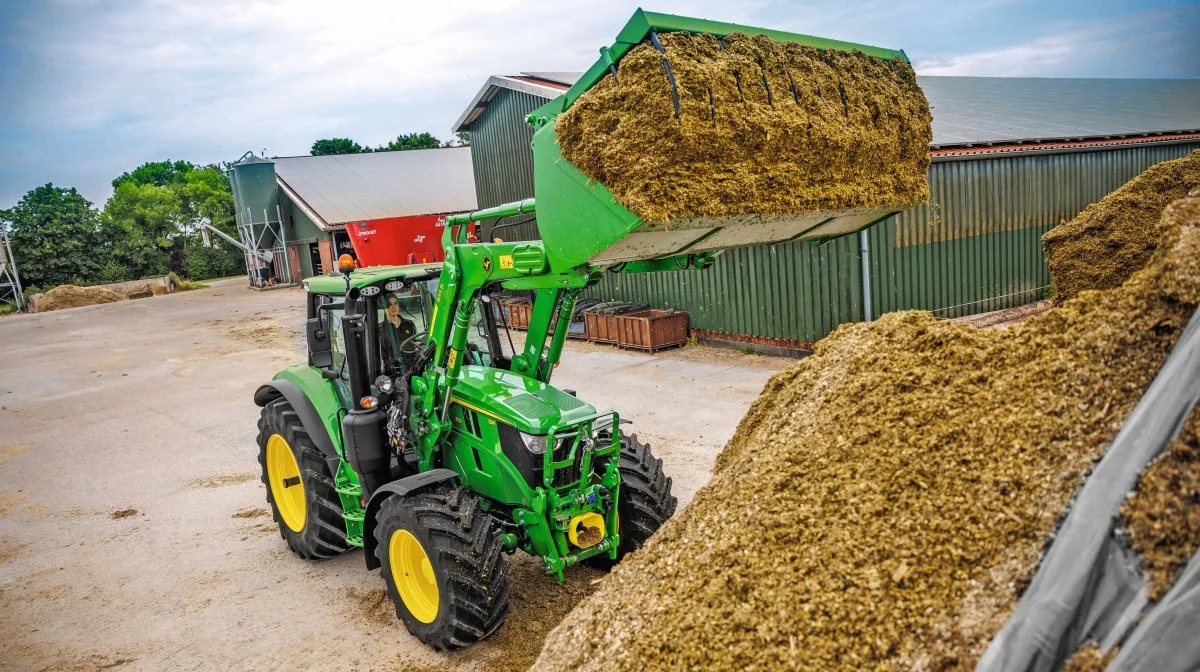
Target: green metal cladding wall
{"x": 975, "y": 247}
{"x": 502, "y": 160}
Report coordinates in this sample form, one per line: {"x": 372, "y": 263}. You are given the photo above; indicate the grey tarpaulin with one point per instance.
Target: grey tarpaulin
{"x": 1169, "y": 638}
{"x": 1088, "y": 586}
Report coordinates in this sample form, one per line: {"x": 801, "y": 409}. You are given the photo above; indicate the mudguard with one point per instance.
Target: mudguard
{"x": 307, "y": 412}
{"x": 404, "y": 486}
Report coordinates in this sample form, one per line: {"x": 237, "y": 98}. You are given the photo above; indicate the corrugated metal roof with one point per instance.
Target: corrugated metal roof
{"x": 981, "y": 110}
{"x": 567, "y": 79}
{"x": 537, "y": 84}
{"x": 974, "y": 110}
{"x": 356, "y": 187}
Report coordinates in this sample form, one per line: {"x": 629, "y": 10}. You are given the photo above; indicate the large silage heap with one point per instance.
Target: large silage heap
{"x": 886, "y": 502}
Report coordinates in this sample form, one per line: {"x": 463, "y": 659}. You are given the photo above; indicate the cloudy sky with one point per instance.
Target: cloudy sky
{"x": 89, "y": 89}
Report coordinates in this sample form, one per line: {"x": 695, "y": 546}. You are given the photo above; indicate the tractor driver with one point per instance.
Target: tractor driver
{"x": 394, "y": 330}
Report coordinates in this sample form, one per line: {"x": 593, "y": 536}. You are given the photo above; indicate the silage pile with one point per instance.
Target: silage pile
{"x": 1163, "y": 515}
{"x": 71, "y": 296}
{"x": 1110, "y": 240}
{"x": 885, "y": 501}
{"x": 764, "y": 127}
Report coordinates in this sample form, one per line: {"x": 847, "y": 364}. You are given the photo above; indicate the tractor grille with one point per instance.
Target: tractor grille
{"x": 566, "y": 475}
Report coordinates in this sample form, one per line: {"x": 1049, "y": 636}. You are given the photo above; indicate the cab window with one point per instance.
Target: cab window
{"x": 401, "y": 328}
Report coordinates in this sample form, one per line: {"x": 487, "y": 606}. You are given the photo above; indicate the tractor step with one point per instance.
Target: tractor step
{"x": 352, "y": 490}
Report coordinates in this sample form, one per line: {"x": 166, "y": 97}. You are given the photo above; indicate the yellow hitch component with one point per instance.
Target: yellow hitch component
{"x": 283, "y": 475}
{"x": 586, "y": 530}
{"x": 413, "y": 575}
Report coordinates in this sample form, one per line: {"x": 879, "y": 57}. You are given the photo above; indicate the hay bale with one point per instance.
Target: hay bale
{"x": 1112, "y": 239}
{"x": 72, "y": 296}
{"x": 884, "y": 502}
{"x": 765, "y": 127}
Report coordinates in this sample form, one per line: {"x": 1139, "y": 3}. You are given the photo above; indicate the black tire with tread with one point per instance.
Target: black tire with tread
{"x": 468, "y": 559}
{"x": 645, "y": 501}
{"x": 324, "y": 533}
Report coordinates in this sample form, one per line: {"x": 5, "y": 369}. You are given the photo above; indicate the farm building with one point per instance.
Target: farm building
{"x": 379, "y": 207}
{"x": 1011, "y": 158}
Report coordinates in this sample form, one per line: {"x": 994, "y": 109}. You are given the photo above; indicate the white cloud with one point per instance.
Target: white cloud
{"x": 1114, "y": 47}
{"x": 95, "y": 88}
{"x": 1023, "y": 60}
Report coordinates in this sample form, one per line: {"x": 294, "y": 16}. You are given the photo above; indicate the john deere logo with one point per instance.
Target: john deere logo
{"x": 487, "y": 264}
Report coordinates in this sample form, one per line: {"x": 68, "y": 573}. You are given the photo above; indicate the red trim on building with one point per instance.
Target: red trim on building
{"x": 1032, "y": 145}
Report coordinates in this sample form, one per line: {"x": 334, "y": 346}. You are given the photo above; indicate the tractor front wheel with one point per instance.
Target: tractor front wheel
{"x": 442, "y": 561}
{"x": 300, "y": 488}
{"x": 644, "y": 502}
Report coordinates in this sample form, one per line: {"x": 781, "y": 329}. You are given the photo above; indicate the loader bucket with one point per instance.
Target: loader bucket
{"x": 582, "y": 221}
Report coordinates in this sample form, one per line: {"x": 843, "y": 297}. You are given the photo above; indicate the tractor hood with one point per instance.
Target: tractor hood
{"x": 527, "y": 404}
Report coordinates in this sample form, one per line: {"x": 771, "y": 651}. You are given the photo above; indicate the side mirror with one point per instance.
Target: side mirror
{"x": 320, "y": 353}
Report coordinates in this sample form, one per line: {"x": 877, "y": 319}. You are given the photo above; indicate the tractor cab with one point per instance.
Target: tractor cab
{"x": 399, "y": 302}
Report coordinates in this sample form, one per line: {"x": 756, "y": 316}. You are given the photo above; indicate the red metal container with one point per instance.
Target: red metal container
{"x": 397, "y": 240}
{"x": 648, "y": 330}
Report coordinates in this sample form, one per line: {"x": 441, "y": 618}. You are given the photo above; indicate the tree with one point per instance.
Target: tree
{"x": 329, "y": 146}
{"x": 154, "y": 217}
{"x": 411, "y": 141}
{"x": 143, "y": 223}
{"x": 158, "y": 173}
{"x": 462, "y": 139}
{"x": 210, "y": 201}
{"x": 55, "y": 237}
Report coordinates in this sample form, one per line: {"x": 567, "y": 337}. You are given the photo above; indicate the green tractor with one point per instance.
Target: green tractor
{"x": 417, "y": 431}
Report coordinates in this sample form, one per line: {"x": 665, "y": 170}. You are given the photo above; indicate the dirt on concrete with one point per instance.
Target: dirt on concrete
{"x": 1114, "y": 238}
{"x": 252, "y": 512}
{"x": 763, "y": 128}
{"x": 71, "y": 296}
{"x": 123, "y": 513}
{"x": 223, "y": 480}
{"x": 884, "y": 502}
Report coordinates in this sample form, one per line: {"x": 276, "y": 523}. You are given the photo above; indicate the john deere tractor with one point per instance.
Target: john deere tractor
{"x": 417, "y": 431}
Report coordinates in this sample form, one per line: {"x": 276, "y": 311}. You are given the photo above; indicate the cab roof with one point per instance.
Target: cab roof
{"x": 362, "y": 277}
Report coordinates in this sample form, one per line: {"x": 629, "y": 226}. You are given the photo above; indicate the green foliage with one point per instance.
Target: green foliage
{"x": 158, "y": 173}
{"x": 329, "y": 146}
{"x": 205, "y": 263}
{"x": 142, "y": 221}
{"x": 154, "y": 216}
{"x": 424, "y": 140}
{"x": 411, "y": 141}
{"x": 56, "y": 237}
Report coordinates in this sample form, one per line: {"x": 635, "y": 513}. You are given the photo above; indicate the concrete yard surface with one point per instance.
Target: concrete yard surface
{"x": 134, "y": 533}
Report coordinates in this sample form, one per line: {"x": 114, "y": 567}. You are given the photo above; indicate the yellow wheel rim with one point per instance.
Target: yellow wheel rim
{"x": 283, "y": 474}
{"x": 413, "y": 574}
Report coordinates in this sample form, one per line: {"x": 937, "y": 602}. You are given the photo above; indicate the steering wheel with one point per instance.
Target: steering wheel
{"x": 408, "y": 353}
{"x": 411, "y": 346}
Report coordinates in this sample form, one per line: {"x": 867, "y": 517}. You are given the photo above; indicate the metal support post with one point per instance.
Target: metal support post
{"x": 864, "y": 246}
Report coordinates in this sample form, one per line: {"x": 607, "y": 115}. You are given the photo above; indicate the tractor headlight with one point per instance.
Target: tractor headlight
{"x": 384, "y": 385}
{"x": 534, "y": 444}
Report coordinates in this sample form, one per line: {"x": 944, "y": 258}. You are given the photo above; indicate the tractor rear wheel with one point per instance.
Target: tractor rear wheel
{"x": 443, "y": 564}
{"x": 300, "y": 488}
{"x": 644, "y": 502}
